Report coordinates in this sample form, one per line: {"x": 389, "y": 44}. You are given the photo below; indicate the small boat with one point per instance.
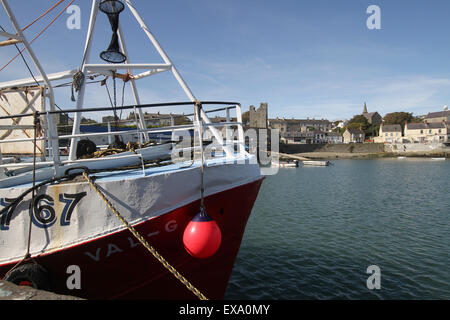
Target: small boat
{"x": 438, "y": 159}
{"x": 317, "y": 163}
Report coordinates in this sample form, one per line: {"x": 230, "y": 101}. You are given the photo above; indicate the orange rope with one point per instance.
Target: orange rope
{"x": 53, "y": 7}
{"x": 40, "y": 33}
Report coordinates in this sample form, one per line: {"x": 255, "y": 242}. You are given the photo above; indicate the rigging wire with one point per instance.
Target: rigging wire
{"x": 39, "y": 34}
{"x": 23, "y": 58}
{"x": 31, "y": 72}
{"x": 123, "y": 99}
{"x": 42, "y": 15}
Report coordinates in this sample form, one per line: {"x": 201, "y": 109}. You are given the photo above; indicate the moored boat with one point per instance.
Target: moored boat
{"x": 318, "y": 163}
{"x": 285, "y": 164}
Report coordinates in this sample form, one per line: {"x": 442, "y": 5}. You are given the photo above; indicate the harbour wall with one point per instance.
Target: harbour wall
{"x": 336, "y": 148}
{"x": 367, "y": 150}
{"x": 417, "y": 148}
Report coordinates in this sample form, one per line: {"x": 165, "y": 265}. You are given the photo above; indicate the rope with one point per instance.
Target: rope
{"x": 78, "y": 80}
{"x": 37, "y": 132}
{"x": 198, "y": 107}
{"x": 116, "y": 118}
{"x": 42, "y": 15}
{"x": 37, "y": 126}
{"x": 141, "y": 239}
{"x": 123, "y": 99}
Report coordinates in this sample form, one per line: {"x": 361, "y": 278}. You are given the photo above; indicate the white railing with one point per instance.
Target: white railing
{"x": 227, "y": 142}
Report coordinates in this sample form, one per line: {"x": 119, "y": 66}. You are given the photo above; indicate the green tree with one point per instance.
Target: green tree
{"x": 87, "y": 121}
{"x": 358, "y": 122}
{"x": 361, "y": 122}
{"x": 400, "y": 118}
{"x": 246, "y": 117}
{"x": 180, "y": 120}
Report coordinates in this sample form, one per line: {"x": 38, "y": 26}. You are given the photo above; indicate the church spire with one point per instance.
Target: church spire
{"x": 365, "y": 108}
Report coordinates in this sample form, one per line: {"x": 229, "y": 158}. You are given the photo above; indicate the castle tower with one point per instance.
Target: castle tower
{"x": 365, "y": 108}
{"x": 258, "y": 117}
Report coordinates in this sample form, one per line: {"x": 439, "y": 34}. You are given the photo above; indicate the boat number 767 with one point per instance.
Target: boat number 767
{"x": 42, "y": 211}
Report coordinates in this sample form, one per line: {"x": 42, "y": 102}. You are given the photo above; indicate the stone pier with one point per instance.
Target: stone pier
{"x": 9, "y": 291}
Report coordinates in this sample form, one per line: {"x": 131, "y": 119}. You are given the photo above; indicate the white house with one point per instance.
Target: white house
{"x": 390, "y": 133}
{"x": 353, "y": 135}
{"x": 426, "y": 132}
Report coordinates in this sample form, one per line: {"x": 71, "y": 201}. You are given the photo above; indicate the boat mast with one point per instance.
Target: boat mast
{"x": 201, "y": 115}
{"x": 80, "y": 97}
{"x": 106, "y": 69}
{"x": 161, "y": 52}
{"x": 52, "y": 132}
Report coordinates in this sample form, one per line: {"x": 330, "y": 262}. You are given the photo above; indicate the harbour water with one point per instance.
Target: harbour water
{"x": 314, "y": 231}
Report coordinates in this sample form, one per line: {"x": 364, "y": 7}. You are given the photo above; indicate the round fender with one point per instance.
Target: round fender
{"x": 32, "y": 275}
{"x": 85, "y": 148}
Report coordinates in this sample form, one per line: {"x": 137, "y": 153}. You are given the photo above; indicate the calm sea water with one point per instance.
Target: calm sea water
{"x": 314, "y": 231}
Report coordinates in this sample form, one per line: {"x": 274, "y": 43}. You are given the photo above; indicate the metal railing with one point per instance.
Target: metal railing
{"x": 226, "y": 143}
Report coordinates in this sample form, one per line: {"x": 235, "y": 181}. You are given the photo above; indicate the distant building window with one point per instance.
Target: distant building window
{"x": 386, "y": 134}
{"x": 391, "y": 134}
{"x": 429, "y": 131}
{"x": 439, "y": 131}
{"x": 421, "y": 131}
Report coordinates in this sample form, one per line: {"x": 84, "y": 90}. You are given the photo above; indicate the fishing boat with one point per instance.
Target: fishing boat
{"x": 316, "y": 163}
{"x": 151, "y": 221}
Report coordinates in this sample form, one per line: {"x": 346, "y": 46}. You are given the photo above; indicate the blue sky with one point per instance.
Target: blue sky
{"x": 305, "y": 58}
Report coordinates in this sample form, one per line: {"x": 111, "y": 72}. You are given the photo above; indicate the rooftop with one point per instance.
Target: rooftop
{"x": 391, "y": 128}
{"x": 310, "y": 121}
{"x": 439, "y": 114}
{"x": 355, "y": 131}
{"x": 424, "y": 125}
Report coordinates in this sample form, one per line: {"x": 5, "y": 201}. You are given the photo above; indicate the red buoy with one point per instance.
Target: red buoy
{"x": 202, "y": 236}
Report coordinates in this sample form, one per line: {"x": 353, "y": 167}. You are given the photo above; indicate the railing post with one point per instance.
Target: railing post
{"x": 240, "y": 130}
{"x": 228, "y": 131}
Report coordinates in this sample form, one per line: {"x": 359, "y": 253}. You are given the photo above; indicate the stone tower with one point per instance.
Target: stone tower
{"x": 258, "y": 118}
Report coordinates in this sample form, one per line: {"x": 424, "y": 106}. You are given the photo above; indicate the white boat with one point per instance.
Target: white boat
{"x": 316, "y": 163}
{"x": 285, "y": 164}
{"x": 126, "y": 223}
{"x": 438, "y": 159}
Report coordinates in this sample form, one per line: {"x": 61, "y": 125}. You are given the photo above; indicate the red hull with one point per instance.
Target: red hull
{"x": 116, "y": 266}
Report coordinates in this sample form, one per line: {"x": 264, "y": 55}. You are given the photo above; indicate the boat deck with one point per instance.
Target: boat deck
{"x": 165, "y": 168}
